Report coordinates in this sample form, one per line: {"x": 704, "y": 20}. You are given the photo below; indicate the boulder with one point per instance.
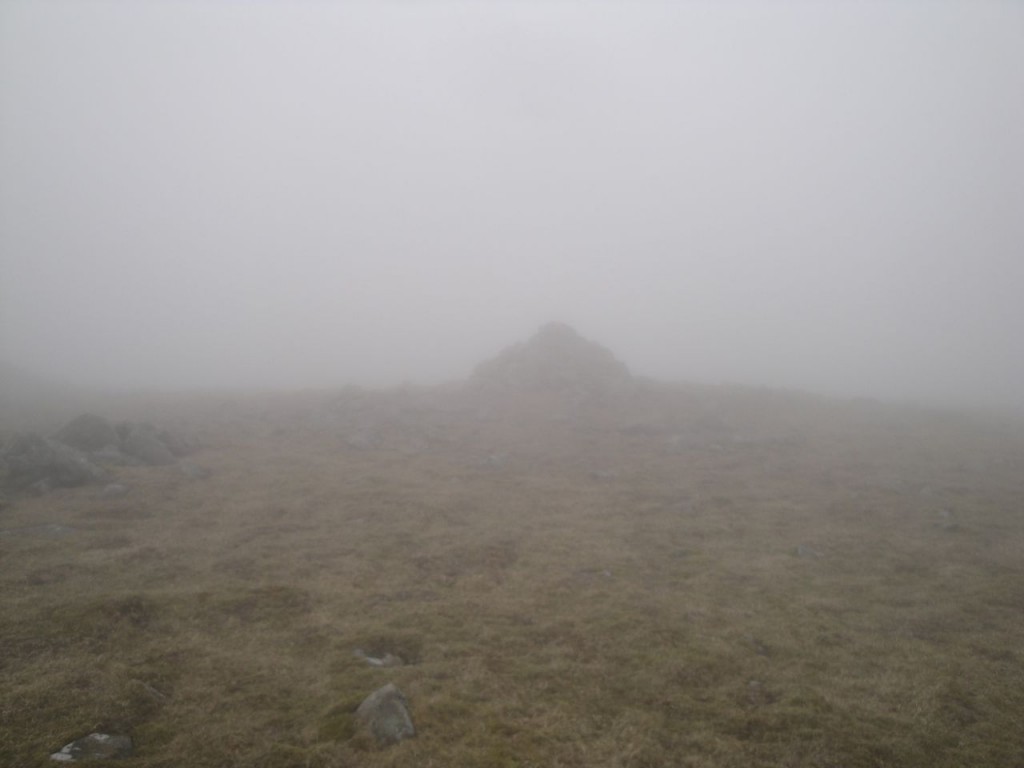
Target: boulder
{"x": 385, "y": 713}
{"x": 143, "y": 442}
{"x": 95, "y": 746}
{"x": 111, "y": 456}
{"x": 88, "y": 432}
{"x": 34, "y": 461}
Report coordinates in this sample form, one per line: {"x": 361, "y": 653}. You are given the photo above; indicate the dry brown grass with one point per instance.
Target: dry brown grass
{"x": 597, "y": 594}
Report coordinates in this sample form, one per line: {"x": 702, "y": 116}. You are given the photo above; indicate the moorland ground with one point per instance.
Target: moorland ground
{"x": 677, "y": 576}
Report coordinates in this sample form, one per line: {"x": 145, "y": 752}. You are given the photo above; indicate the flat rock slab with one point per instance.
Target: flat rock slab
{"x": 385, "y": 712}
{"x": 95, "y": 746}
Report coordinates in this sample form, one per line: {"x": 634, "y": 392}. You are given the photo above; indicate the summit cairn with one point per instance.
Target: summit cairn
{"x": 555, "y": 360}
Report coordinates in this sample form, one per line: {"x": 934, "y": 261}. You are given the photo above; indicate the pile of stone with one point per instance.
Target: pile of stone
{"x": 80, "y": 452}
{"x": 556, "y": 359}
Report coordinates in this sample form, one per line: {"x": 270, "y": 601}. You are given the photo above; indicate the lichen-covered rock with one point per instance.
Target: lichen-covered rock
{"x": 385, "y": 712}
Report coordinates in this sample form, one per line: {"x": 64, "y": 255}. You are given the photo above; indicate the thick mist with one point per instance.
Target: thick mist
{"x": 804, "y": 195}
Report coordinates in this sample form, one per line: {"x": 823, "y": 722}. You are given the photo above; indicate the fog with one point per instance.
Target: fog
{"x": 819, "y": 196}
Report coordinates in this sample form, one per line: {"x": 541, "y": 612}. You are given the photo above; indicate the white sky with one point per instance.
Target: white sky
{"x": 825, "y": 196}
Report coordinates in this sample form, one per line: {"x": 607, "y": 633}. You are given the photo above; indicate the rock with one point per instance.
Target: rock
{"x": 383, "y": 660}
{"x": 193, "y": 471}
{"x": 385, "y": 712}
{"x": 802, "y": 550}
{"x": 113, "y": 490}
{"x": 176, "y": 444}
{"x": 112, "y": 456}
{"x": 555, "y": 359}
{"x": 88, "y": 432}
{"x": 492, "y": 461}
{"x": 33, "y": 461}
{"x": 95, "y": 746}
{"x": 143, "y": 442}
{"x": 40, "y": 488}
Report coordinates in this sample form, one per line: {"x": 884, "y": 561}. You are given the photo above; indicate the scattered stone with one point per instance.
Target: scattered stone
{"x": 36, "y": 462}
{"x": 143, "y": 442}
{"x": 46, "y": 531}
{"x": 492, "y": 461}
{"x": 385, "y": 712}
{"x": 88, "y": 432}
{"x": 176, "y": 444}
{"x": 384, "y": 660}
{"x": 95, "y": 746}
{"x": 682, "y": 442}
{"x": 360, "y": 441}
{"x": 40, "y": 488}
{"x": 802, "y": 550}
{"x": 193, "y": 471}
{"x": 113, "y": 490}
{"x": 947, "y": 522}
{"x": 758, "y": 695}
{"x": 114, "y": 457}
{"x": 640, "y": 429}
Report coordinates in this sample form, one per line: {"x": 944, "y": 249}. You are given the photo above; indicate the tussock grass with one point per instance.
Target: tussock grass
{"x": 800, "y": 583}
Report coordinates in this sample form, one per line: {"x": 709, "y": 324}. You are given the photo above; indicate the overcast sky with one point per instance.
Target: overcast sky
{"x": 823, "y": 196}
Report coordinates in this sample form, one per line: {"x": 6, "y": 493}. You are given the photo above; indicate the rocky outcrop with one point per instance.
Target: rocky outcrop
{"x": 128, "y": 442}
{"x": 78, "y": 452}
{"x": 144, "y": 443}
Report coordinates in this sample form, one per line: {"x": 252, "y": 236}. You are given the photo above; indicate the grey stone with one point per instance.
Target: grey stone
{"x": 493, "y": 461}
{"x": 177, "y": 444}
{"x": 45, "y": 531}
{"x": 95, "y": 746}
{"x": 193, "y": 471}
{"x": 143, "y": 442}
{"x": 112, "y": 456}
{"x": 88, "y": 432}
{"x": 40, "y": 487}
{"x": 33, "y": 462}
{"x": 382, "y": 660}
{"x": 802, "y": 550}
{"x": 385, "y": 712}
{"x": 113, "y": 490}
